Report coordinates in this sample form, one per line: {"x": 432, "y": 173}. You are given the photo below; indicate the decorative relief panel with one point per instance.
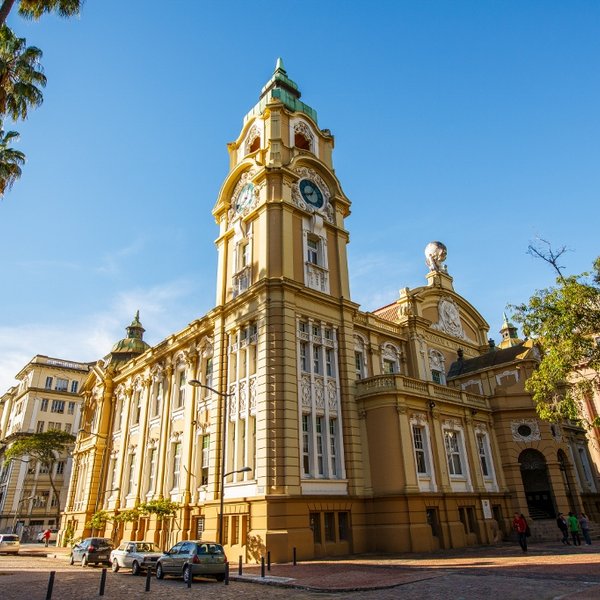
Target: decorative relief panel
{"x": 525, "y": 430}
{"x": 306, "y": 390}
{"x": 332, "y": 396}
{"x": 449, "y": 319}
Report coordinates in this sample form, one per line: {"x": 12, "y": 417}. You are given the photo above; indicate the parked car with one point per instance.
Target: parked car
{"x": 188, "y": 559}
{"x": 53, "y": 535}
{"x": 137, "y": 556}
{"x": 92, "y": 550}
{"x": 9, "y": 543}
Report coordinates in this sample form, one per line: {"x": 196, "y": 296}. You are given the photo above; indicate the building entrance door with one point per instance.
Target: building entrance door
{"x": 536, "y": 483}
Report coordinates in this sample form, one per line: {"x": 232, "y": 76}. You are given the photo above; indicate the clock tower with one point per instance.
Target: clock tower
{"x": 285, "y": 330}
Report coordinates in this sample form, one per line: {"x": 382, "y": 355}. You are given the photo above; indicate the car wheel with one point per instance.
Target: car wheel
{"x": 220, "y": 577}
{"x": 84, "y": 561}
{"x": 159, "y": 572}
{"x": 187, "y": 574}
{"x": 115, "y": 566}
{"x": 72, "y": 559}
{"x": 135, "y": 568}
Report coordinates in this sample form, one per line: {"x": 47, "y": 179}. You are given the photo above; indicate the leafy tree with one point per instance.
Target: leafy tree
{"x": 565, "y": 321}
{"x": 44, "y": 448}
{"x": 10, "y": 160}
{"x": 21, "y": 75}
{"x": 34, "y": 9}
{"x": 161, "y": 508}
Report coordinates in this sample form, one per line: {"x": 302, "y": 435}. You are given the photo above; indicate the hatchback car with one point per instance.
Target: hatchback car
{"x": 9, "y": 543}
{"x": 189, "y": 559}
{"x": 137, "y": 556}
{"x": 92, "y": 550}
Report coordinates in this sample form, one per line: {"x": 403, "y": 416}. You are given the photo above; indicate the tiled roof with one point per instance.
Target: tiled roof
{"x": 485, "y": 361}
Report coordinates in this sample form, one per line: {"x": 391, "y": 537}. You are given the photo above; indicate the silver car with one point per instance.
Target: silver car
{"x": 9, "y": 543}
{"x": 137, "y": 556}
{"x": 188, "y": 559}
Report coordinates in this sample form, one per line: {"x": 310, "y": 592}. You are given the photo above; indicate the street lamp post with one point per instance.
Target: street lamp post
{"x": 224, "y": 396}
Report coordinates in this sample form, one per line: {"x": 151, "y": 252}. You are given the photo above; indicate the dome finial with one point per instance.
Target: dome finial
{"x": 279, "y": 65}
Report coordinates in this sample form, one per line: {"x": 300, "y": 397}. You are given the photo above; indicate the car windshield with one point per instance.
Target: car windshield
{"x": 146, "y": 547}
{"x": 10, "y": 538}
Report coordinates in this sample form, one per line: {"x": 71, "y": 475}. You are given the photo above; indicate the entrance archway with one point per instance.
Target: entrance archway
{"x": 536, "y": 483}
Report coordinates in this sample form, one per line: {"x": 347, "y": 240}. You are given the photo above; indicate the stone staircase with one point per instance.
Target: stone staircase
{"x": 546, "y": 530}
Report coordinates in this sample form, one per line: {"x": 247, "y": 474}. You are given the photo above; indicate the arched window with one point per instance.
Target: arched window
{"x": 301, "y": 142}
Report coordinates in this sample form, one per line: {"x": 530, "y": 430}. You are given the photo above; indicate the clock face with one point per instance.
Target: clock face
{"x": 311, "y": 194}
{"x": 244, "y": 198}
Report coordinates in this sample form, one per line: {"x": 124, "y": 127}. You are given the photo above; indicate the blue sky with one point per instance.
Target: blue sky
{"x": 474, "y": 123}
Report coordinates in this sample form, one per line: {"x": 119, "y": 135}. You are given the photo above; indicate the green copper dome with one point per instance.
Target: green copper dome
{"x": 132, "y": 344}
{"x": 282, "y": 88}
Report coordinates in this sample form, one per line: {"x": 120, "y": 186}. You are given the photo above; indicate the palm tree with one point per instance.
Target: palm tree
{"x": 34, "y": 9}
{"x": 10, "y": 160}
{"x": 20, "y": 75}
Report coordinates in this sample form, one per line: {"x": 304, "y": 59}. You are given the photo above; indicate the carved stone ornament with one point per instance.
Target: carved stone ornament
{"x": 418, "y": 419}
{"x": 305, "y": 173}
{"x": 525, "y": 430}
{"x": 449, "y": 319}
{"x": 435, "y": 255}
{"x": 254, "y": 133}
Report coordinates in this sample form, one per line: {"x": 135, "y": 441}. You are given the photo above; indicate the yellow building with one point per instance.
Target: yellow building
{"x": 316, "y": 426}
{"x": 46, "y": 398}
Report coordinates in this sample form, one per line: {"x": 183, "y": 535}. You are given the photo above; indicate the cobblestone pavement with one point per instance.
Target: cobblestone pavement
{"x": 548, "y": 571}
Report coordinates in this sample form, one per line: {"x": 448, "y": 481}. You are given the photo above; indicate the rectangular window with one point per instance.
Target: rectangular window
{"x": 152, "y": 470}
{"x": 48, "y": 383}
{"x": 44, "y": 469}
{"x": 131, "y": 477}
{"x": 389, "y": 366}
{"x": 343, "y": 526}
{"x": 71, "y": 408}
{"x": 44, "y": 405}
{"x": 303, "y": 357}
{"x": 235, "y": 530}
{"x": 137, "y": 407}
{"x": 176, "y": 465}
{"x": 452, "y": 443}
{"x": 332, "y": 448}
{"x": 61, "y": 385}
{"x": 74, "y": 386}
{"x": 419, "y": 446}
{"x": 312, "y": 246}
{"x": 306, "y": 444}
{"x": 317, "y": 359}
{"x": 60, "y": 467}
{"x": 52, "y": 426}
{"x": 40, "y": 427}
{"x": 329, "y": 362}
{"x": 158, "y": 396}
{"x": 483, "y": 458}
{"x": 199, "y": 527}
{"x": 68, "y": 427}
{"x": 329, "y": 527}
{"x": 359, "y": 364}
{"x": 205, "y": 458}
{"x": 303, "y": 326}
{"x": 436, "y": 376}
{"x": 319, "y": 429}
{"x": 315, "y": 525}
{"x": 58, "y": 406}
{"x": 181, "y": 390}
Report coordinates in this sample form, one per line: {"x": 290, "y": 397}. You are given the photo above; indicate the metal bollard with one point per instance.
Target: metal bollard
{"x": 294, "y": 556}
{"x": 240, "y": 566}
{"x": 227, "y": 573}
{"x": 269, "y": 560}
{"x": 262, "y": 566}
{"x": 102, "y": 582}
{"x": 50, "y": 585}
{"x": 148, "y": 578}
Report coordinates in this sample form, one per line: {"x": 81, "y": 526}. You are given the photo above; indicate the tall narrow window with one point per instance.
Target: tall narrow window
{"x": 71, "y": 408}
{"x": 420, "y": 450}
{"x": 319, "y": 430}
{"x": 205, "y": 459}
{"x": 181, "y": 389}
{"x": 48, "y": 383}
{"x": 451, "y": 441}
{"x": 61, "y": 384}
{"x": 359, "y": 364}
{"x": 483, "y": 455}
{"x": 158, "y": 398}
{"x": 131, "y": 477}
{"x": 303, "y": 357}
{"x": 44, "y": 405}
{"x": 312, "y": 245}
{"x": 137, "y": 407}
{"x": 176, "y": 465}
{"x": 317, "y": 350}
{"x": 329, "y": 362}
{"x": 306, "y": 444}
{"x": 74, "y": 386}
{"x": 152, "y": 470}
{"x": 332, "y": 448}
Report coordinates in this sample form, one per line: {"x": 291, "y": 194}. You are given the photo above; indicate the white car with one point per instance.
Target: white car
{"x": 9, "y": 543}
{"x": 137, "y": 556}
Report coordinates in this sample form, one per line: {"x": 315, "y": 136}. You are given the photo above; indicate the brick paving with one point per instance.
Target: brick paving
{"x": 548, "y": 571}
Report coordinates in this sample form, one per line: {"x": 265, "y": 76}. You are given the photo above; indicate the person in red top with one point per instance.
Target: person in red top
{"x": 46, "y": 537}
{"x": 520, "y": 526}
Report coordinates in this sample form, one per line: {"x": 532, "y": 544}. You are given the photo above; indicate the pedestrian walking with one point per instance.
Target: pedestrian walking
{"x": 520, "y": 527}
{"x": 564, "y": 528}
{"x": 574, "y": 529}
{"x": 46, "y": 537}
{"x": 584, "y": 524}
